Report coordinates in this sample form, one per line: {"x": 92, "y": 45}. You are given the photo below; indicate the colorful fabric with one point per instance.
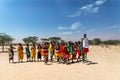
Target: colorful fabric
{"x": 57, "y": 53}
{"x": 11, "y": 54}
{"x": 44, "y": 51}
{"x": 83, "y": 56}
{"x": 51, "y": 52}
{"x": 68, "y": 47}
{"x": 61, "y": 50}
{"x": 50, "y": 47}
{"x": 39, "y": 50}
{"x": 85, "y": 43}
{"x": 85, "y": 49}
{"x": 38, "y": 55}
{"x": 73, "y": 56}
{"x": 81, "y": 48}
{"x": 27, "y": 50}
{"x": 20, "y": 53}
{"x": 33, "y": 52}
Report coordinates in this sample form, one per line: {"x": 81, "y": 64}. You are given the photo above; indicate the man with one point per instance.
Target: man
{"x": 85, "y": 45}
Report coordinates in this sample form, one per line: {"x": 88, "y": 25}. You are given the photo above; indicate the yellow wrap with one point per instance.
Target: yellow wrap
{"x": 20, "y": 53}
{"x": 50, "y": 47}
{"x": 33, "y": 52}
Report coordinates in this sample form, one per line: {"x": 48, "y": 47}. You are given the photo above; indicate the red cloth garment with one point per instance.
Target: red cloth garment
{"x": 73, "y": 56}
{"x": 62, "y": 50}
{"x": 78, "y": 52}
{"x": 85, "y": 49}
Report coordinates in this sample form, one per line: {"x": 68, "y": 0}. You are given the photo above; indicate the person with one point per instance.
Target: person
{"x": 85, "y": 45}
{"x": 44, "y": 51}
{"x": 39, "y": 52}
{"x": 78, "y": 51}
{"x": 69, "y": 49}
{"x": 11, "y": 54}
{"x": 20, "y": 52}
{"x": 33, "y": 52}
{"x": 65, "y": 54}
{"x": 62, "y": 49}
{"x": 57, "y": 52}
{"x": 27, "y": 51}
{"x": 73, "y": 52}
{"x": 46, "y": 46}
{"x": 50, "y": 49}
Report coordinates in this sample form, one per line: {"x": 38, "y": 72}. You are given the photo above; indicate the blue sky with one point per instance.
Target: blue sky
{"x": 68, "y": 19}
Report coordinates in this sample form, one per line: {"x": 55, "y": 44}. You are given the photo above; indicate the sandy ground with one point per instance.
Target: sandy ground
{"x": 104, "y": 65}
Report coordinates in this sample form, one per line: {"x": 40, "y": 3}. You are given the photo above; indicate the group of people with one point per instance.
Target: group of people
{"x": 62, "y": 52}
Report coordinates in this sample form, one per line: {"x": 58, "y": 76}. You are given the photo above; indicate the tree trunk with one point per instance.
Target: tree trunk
{"x": 2, "y": 48}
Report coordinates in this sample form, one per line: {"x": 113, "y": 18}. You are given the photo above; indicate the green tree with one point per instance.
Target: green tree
{"x": 112, "y": 42}
{"x": 33, "y": 39}
{"x": 44, "y": 39}
{"x": 90, "y": 42}
{"x": 5, "y": 39}
{"x": 26, "y": 40}
{"x": 30, "y": 39}
{"x": 62, "y": 41}
{"x": 54, "y": 39}
{"x": 96, "y": 41}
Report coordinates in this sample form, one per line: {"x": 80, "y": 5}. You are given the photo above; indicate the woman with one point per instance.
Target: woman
{"x": 33, "y": 52}
{"x": 57, "y": 52}
{"x": 50, "y": 49}
{"x": 39, "y": 52}
{"x": 44, "y": 52}
{"x": 69, "y": 49}
{"x": 27, "y": 49}
{"x": 20, "y": 52}
{"x": 11, "y": 54}
{"x": 73, "y": 52}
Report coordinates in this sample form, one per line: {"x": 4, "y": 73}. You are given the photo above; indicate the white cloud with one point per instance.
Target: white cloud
{"x": 74, "y": 26}
{"x": 61, "y": 27}
{"x": 94, "y": 10}
{"x": 77, "y": 13}
{"x": 65, "y": 33}
{"x": 100, "y": 2}
{"x": 113, "y": 27}
{"x": 89, "y": 8}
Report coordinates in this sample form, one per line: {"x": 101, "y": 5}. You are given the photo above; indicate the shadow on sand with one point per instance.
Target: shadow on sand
{"x": 19, "y": 62}
{"x": 48, "y": 63}
{"x": 87, "y": 62}
{"x": 90, "y": 62}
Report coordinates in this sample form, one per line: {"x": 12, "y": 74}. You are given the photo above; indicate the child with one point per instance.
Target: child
{"x": 39, "y": 52}
{"x": 33, "y": 52}
{"x": 20, "y": 52}
{"x": 11, "y": 54}
{"x": 27, "y": 50}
